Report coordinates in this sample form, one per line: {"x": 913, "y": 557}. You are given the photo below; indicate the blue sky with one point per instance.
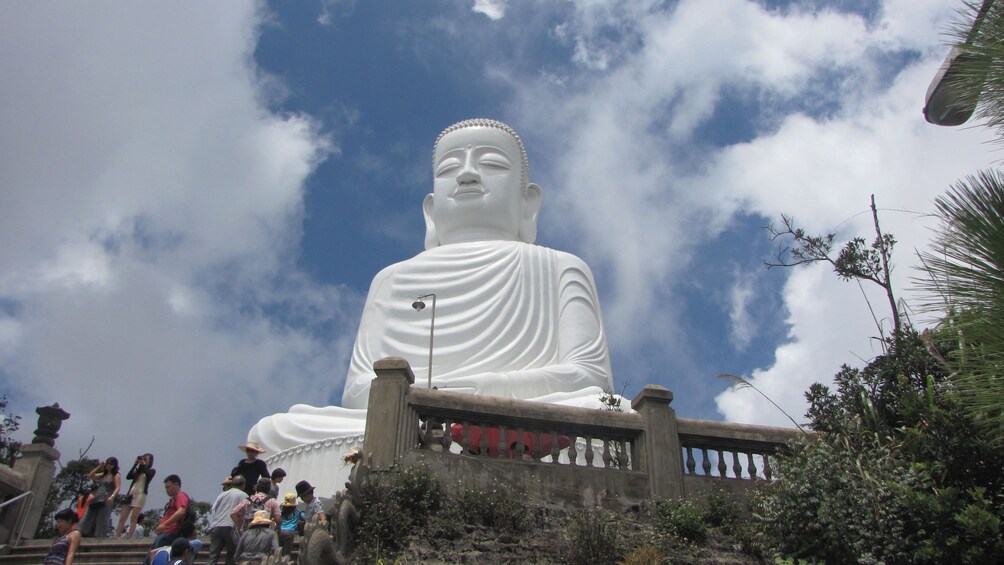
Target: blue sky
{"x": 193, "y": 199}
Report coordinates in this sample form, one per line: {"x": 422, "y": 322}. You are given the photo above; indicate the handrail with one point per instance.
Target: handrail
{"x": 21, "y": 516}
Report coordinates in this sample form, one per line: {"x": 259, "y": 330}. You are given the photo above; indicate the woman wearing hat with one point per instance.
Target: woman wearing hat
{"x": 291, "y": 516}
{"x": 258, "y": 541}
{"x": 251, "y": 468}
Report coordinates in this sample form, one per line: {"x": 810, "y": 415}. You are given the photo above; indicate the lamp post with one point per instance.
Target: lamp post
{"x": 418, "y": 304}
{"x": 945, "y": 104}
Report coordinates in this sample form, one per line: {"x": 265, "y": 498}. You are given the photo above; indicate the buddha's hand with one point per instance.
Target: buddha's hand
{"x": 484, "y": 384}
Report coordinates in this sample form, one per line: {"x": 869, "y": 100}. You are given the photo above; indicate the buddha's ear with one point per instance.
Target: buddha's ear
{"x": 531, "y": 209}
{"x": 431, "y": 238}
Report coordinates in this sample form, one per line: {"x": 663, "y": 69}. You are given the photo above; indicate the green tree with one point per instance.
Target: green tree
{"x": 965, "y": 278}
{"x": 857, "y": 259}
{"x": 10, "y": 448}
{"x": 68, "y": 484}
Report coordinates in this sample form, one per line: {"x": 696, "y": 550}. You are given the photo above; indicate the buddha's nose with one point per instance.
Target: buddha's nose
{"x": 468, "y": 173}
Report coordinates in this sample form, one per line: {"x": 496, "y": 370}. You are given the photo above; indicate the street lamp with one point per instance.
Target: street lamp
{"x": 945, "y": 104}
{"x": 418, "y": 304}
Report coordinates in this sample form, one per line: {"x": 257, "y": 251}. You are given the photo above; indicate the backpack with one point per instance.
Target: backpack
{"x": 254, "y": 507}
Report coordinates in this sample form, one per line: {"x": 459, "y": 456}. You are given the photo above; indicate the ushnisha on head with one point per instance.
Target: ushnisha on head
{"x": 477, "y": 193}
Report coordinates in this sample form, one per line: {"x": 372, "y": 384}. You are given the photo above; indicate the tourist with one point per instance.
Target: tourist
{"x": 64, "y": 548}
{"x": 181, "y": 551}
{"x": 175, "y": 511}
{"x": 140, "y": 474}
{"x": 251, "y": 468}
{"x": 306, "y": 493}
{"x": 98, "y": 518}
{"x": 258, "y": 541}
{"x": 186, "y": 537}
{"x": 221, "y": 526}
{"x": 244, "y": 512}
{"x": 277, "y": 476}
{"x": 291, "y": 517}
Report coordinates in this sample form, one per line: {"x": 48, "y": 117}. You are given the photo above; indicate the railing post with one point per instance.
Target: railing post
{"x": 386, "y": 416}
{"x": 659, "y": 449}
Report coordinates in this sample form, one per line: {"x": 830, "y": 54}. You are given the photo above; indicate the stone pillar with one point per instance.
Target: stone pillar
{"x": 386, "y": 415}
{"x": 37, "y": 465}
{"x": 660, "y": 444}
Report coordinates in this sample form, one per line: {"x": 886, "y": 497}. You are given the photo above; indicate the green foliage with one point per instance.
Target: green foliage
{"x": 966, "y": 280}
{"x": 493, "y": 508}
{"x": 397, "y": 503}
{"x": 724, "y": 509}
{"x": 682, "y": 520}
{"x": 10, "y": 449}
{"x": 68, "y": 484}
{"x": 201, "y": 512}
{"x": 592, "y": 539}
{"x": 645, "y": 555}
{"x": 392, "y": 505}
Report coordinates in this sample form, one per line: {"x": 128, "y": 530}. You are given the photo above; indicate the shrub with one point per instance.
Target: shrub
{"x": 682, "y": 520}
{"x": 494, "y": 508}
{"x": 592, "y": 539}
{"x": 392, "y": 504}
{"x": 646, "y": 555}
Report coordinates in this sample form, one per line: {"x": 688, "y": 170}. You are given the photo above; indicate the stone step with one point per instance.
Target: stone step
{"x": 98, "y": 551}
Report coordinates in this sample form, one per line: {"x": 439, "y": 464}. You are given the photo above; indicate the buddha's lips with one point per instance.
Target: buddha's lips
{"x": 469, "y": 188}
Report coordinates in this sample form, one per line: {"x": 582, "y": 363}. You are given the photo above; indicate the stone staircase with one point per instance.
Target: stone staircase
{"x": 97, "y": 551}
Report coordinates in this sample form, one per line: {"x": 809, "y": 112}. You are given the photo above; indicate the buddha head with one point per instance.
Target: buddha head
{"x": 481, "y": 189}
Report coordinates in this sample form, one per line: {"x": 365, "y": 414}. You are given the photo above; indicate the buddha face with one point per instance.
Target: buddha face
{"x": 477, "y": 193}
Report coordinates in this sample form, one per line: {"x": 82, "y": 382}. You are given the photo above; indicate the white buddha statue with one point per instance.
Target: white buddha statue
{"x": 512, "y": 319}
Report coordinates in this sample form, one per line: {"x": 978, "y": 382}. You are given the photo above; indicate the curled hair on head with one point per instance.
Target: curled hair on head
{"x": 68, "y": 515}
{"x": 489, "y": 123}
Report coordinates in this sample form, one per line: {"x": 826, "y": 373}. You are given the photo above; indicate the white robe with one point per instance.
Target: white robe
{"x": 512, "y": 319}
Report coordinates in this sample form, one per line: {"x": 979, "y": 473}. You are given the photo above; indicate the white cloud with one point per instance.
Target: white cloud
{"x": 639, "y": 186}
{"x": 151, "y": 214}
{"x": 742, "y": 325}
{"x": 494, "y": 9}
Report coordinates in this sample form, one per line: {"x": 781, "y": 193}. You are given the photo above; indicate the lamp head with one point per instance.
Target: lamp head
{"x": 418, "y": 305}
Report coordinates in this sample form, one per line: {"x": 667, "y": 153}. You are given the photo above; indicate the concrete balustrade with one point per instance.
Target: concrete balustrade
{"x": 562, "y": 455}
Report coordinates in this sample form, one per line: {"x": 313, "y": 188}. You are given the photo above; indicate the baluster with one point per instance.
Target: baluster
{"x": 737, "y": 467}
{"x": 520, "y": 447}
{"x": 483, "y": 444}
{"x": 554, "y": 447}
{"x": 501, "y": 446}
{"x": 538, "y": 452}
{"x": 723, "y": 469}
{"x": 427, "y": 436}
{"x": 573, "y": 454}
{"x": 691, "y": 464}
{"x": 622, "y": 457}
{"x": 767, "y": 472}
{"x": 705, "y": 463}
{"x": 447, "y": 435}
{"x": 589, "y": 451}
{"x": 607, "y": 458}
{"x": 465, "y": 444}
{"x": 752, "y": 466}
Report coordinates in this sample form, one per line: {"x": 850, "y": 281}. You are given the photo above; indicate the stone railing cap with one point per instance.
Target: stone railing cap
{"x": 394, "y": 364}
{"x": 652, "y": 393}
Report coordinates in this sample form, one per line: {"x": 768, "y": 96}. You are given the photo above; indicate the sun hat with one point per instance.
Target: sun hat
{"x": 303, "y": 487}
{"x": 252, "y": 445}
{"x": 260, "y": 519}
{"x": 290, "y": 499}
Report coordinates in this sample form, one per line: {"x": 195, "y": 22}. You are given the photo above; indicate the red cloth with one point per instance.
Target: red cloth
{"x": 474, "y": 441}
{"x": 181, "y": 499}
